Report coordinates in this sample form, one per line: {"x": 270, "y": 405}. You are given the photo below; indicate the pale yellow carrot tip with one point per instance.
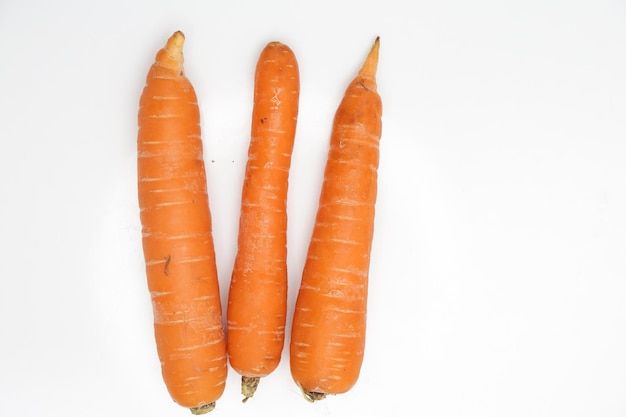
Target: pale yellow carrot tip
{"x": 249, "y": 385}
{"x": 171, "y": 56}
{"x": 371, "y": 62}
{"x": 175, "y": 44}
{"x": 203, "y": 409}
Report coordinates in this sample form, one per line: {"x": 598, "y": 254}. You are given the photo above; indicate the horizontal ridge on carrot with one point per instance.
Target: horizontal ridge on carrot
{"x": 257, "y": 299}
{"x": 177, "y": 235}
{"x": 328, "y": 332}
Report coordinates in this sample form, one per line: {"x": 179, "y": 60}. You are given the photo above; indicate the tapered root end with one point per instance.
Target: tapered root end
{"x": 171, "y": 56}
{"x": 203, "y": 409}
{"x": 371, "y": 62}
{"x": 175, "y": 43}
{"x": 249, "y": 385}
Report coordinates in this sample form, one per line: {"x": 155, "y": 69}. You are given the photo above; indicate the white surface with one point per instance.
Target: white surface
{"x": 498, "y": 276}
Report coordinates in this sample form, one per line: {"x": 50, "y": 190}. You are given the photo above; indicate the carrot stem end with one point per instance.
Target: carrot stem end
{"x": 249, "y": 385}
{"x": 203, "y": 409}
{"x": 312, "y": 396}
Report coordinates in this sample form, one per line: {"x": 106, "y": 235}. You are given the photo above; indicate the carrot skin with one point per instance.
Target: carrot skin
{"x": 257, "y": 299}
{"x": 328, "y": 333}
{"x": 177, "y": 235}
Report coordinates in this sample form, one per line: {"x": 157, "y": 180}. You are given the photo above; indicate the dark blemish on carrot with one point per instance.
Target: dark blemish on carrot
{"x": 167, "y": 264}
{"x": 263, "y": 120}
{"x": 363, "y": 85}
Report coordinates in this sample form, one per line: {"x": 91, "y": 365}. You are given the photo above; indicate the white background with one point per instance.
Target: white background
{"x": 498, "y": 275}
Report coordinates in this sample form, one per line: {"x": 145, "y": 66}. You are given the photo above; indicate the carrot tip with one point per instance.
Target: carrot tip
{"x": 371, "y": 62}
{"x": 249, "y": 385}
{"x": 203, "y": 409}
{"x": 171, "y": 56}
{"x": 175, "y": 43}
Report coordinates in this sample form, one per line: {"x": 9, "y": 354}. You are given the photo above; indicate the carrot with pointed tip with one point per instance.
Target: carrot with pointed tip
{"x": 257, "y": 299}
{"x": 177, "y": 237}
{"x": 328, "y": 333}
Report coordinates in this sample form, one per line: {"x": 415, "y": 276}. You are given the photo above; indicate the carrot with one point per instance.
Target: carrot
{"x": 177, "y": 238}
{"x": 257, "y": 299}
{"x": 328, "y": 333}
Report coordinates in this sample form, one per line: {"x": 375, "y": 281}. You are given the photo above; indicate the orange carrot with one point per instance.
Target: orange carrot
{"x": 257, "y": 300}
{"x": 328, "y": 333}
{"x": 177, "y": 237}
